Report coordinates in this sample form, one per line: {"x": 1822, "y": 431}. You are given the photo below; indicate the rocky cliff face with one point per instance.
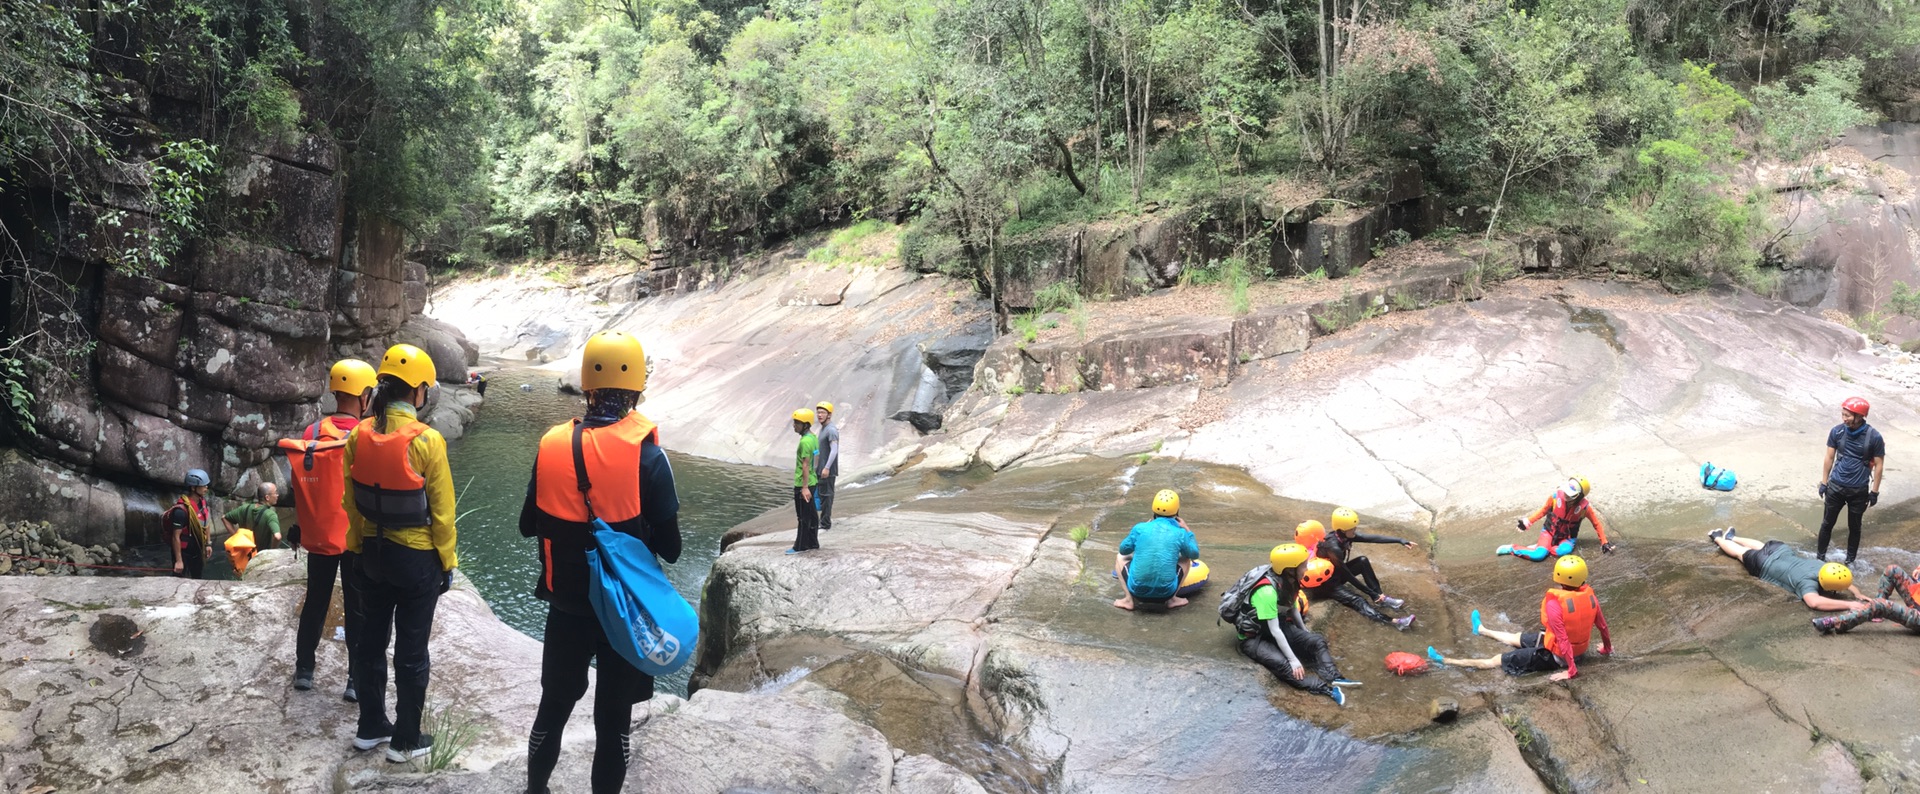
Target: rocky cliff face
{"x": 204, "y": 361}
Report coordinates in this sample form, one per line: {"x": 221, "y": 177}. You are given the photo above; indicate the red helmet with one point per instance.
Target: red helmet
{"x": 1856, "y": 406}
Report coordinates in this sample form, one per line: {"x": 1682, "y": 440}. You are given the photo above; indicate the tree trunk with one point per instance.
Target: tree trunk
{"x": 1066, "y": 163}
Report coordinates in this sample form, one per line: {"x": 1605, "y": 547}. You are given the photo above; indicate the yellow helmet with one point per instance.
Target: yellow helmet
{"x": 1345, "y": 519}
{"x": 613, "y": 360}
{"x": 351, "y": 376}
{"x": 1570, "y": 571}
{"x": 408, "y": 363}
{"x": 1835, "y": 578}
{"x": 824, "y": 406}
{"x": 803, "y": 415}
{"x": 1309, "y": 533}
{"x": 1317, "y": 572}
{"x": 1287, "y": 555}
{"x": 1166, "y": 503}
{"x": 1577, "y": 488}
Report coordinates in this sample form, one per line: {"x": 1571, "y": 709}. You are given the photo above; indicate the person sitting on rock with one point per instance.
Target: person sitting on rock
{"x": 1276, "y": 638}
{"x": 258, "y": 515}
{"x": 1349, "y": 580}
{"x": 1883, "y": 606}
{"x": 1569, "y": 613}
{"x": 1164, "y": 549}
{"x": 1565, "y": 510}
{"x": 629, "y": 487}
{"x": 1819, "y": 586}
{"x": 187, "y": 526}
{"x": 806, "y": 475}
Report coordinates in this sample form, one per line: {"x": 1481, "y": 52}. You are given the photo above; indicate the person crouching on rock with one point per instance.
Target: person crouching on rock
{"x": 1331, "y": 575}
{"x": 187, "y": 528}
{"x": 1569, "y": 613}
{"x": 1164, "y": 549}
{"x": 1565, "y": 510}
{"x": 317, "y": 461}
{"x": 400, "y": 514}
{"x": 806, "y": 474}
{"x": 630, "y": 485}
{"x": 1884, "y": 606}
{"x": 1277, "y": 637}
{"x": 1819, "y": 586}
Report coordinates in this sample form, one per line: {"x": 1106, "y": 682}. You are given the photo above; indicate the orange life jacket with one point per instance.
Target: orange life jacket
{"x": 198, "y": 520}
{"x": 318, "y": 485}
{"x": 612, "y": 457}
{"x": 386, "y": 489}
{"x": 1578, "y": 609}
{"x": 611, "y": 454}
{"x": 1564, "y": 519}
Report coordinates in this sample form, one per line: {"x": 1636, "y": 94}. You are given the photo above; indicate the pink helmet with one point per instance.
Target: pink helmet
{"x": 1856, "y": 406}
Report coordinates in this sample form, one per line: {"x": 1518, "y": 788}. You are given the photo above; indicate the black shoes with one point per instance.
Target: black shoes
{"x": 303, "y": 680}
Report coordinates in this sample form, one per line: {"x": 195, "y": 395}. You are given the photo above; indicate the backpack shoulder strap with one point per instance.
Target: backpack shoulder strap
{"x": 580, "y": 469}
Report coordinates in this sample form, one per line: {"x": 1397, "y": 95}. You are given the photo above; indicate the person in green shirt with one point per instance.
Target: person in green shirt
{"x": 1271, "y": 623}
{"x": 806, "y": 459}
{"x": 259, "y": 516}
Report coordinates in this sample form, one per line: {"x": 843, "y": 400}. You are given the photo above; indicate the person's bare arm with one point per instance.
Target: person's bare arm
{"x": 1826, "y": 466}
{"x": 1825, "y": 604}
{"x": 1879, "y": 466}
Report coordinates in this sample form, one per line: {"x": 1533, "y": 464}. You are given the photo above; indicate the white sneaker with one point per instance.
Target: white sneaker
{"x": 420, "y": 748}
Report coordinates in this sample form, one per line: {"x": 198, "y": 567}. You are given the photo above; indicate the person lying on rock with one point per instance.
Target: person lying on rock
{"x": 1276, "y": 638}
{"x": 1569, "y": 613}
{"x": 1883, "y": 606}
{"x": 1164, "y": 549}
{"x": 1819, "y": 586}
{"x": 1347, "y": 580}
{"x": 1850, "y": 475}
{"x": 1566, "y": 509}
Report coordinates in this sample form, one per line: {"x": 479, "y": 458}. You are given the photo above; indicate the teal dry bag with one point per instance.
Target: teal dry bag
{"x": 1717, "y": 478}
{"x": 646, "y": 620}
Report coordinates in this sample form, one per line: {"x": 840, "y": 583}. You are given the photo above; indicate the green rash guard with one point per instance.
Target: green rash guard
{"x": 804, "y": 475}
{"x": 263, "y": 520}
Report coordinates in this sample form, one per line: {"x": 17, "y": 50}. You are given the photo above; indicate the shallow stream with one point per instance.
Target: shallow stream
{"x": 492, "y": 462}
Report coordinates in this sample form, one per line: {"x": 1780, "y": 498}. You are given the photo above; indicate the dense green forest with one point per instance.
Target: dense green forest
{"x": 546, "y": 128}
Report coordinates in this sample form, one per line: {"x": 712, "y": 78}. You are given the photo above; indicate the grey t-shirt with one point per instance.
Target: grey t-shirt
{"x": 1795, "y": 574}
{"x": 830, "y": 451}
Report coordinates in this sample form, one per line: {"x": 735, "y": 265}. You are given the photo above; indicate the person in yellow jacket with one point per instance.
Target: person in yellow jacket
{"x": 400, "y": 509}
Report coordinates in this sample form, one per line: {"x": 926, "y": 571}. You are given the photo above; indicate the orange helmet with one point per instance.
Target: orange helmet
{"x": 1309, "y": 534}
{"x": 1318, "y": 571}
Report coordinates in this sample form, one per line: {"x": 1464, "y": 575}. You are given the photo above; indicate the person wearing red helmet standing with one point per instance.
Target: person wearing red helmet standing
{"x": 1850, "y": 476}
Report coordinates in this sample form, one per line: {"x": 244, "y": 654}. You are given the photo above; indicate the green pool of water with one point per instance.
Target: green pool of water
{"x": 492, "y": 462}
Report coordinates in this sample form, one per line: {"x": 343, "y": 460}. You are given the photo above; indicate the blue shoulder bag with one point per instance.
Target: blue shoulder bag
{"x": 646, "y": 620}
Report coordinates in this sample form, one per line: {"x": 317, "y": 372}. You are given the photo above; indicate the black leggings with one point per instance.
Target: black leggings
{"x": 1360, "y": 573}
{"x": 823, "y": 495}
{"x": 572, "y": 641}
{"x": 194, "y": 566}
{"x": 1855, "y": 501}
{"x": 1310, "y": 647}
{"x": 321, "y": 570}
{"x": 808, "y": 536}
{"x": 1351, "y": 599}
{"x": 398, "y": 594}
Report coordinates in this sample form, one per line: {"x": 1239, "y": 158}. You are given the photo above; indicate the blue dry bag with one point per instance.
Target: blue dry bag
{"x": 646, "y": 620}
{"x": 1717, "y": 478}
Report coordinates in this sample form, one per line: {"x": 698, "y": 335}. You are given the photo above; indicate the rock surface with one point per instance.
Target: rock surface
{"x": 172, "y": 686}
{"x": 742, "y": 356}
